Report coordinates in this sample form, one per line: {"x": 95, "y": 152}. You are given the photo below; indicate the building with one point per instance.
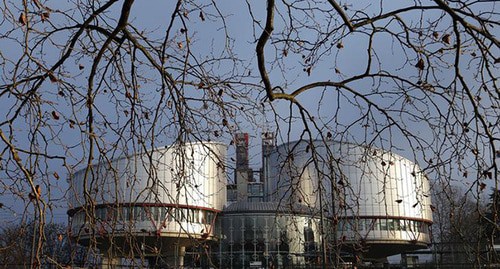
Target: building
{"x": 378, "y": 202}
{"x": 151, "y": 206}
{"x": 312, "y": 203}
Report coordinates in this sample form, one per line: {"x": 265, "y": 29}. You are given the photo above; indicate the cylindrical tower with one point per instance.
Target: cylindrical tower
{"x": 157, "y": 202}
{"x": 378, "y": 202}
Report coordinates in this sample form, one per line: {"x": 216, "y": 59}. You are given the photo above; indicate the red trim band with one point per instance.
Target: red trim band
{"x": 73, "y": 211}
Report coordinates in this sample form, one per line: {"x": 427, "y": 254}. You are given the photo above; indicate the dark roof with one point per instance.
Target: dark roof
{"x": 268, "y": 207}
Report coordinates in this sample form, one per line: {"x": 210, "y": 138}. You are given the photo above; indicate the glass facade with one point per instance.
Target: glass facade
{"x": 255, "y": 191}
{"x": 269, "y": 240}
{"x": 156, "y": 215}
{"x": 383, "y": 224}
{"x": 403, "y": 232}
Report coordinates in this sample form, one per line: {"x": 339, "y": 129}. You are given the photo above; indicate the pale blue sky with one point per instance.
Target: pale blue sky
{"x": 208, "y": 38}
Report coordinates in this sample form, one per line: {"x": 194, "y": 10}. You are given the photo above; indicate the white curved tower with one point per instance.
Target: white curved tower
{"x": 378, "y": 202}
{"x": 160, "y": 201}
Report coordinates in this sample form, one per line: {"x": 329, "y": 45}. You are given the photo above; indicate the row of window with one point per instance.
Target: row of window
{"x": 383, "y": 225}
{"x": 156, "y": 214}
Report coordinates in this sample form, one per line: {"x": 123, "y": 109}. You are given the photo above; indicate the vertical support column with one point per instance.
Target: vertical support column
{"x": 268, "y": 145}
{"x": 279, "y": 259}
{"x": 404, "y": 260}
{"x": 182, "y": 253}
{"x": 243, "y": 241}
{"x": 231, "y": 242}
{"x": 221, "y": 241}
{"x": 255, "y": 256}
{"x": 266, "y": 242}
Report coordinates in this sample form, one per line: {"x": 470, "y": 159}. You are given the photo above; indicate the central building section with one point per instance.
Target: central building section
{"x": 315, "y": 202}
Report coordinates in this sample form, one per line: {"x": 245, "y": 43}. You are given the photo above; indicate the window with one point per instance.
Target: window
{"x": 151, "y": 213}
{"x": 110, "y": 213}
{"x": 181, "y": 214}
{"x": 160, "y": 214}
{"x": 139, "y": 213}
{"x": 397, "y": 224}
{"x": 191, "y": 215}
{"x": 203, "y": 216}
{"x": 390, "y": 225}
{"x": 100, "y": 213}
{"x": 126, "y": 213}
{"x": 178, "y": 214}
{"x": 210, "y": 217}
{"x": 404, "y": 225}
{"x": 383, "y": 224}
{"x": 422, "y": 227}
{"x": 364, "y": 224}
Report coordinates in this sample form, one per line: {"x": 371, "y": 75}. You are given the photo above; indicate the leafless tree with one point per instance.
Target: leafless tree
{"x": 89, "y": 81}
{"x": 17, "y": 240}
{"x": 460, "y": 233}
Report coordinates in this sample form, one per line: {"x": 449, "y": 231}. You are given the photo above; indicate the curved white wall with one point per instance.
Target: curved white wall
{"x": 173, "y": 190}
{"x": 376, "y": 195}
